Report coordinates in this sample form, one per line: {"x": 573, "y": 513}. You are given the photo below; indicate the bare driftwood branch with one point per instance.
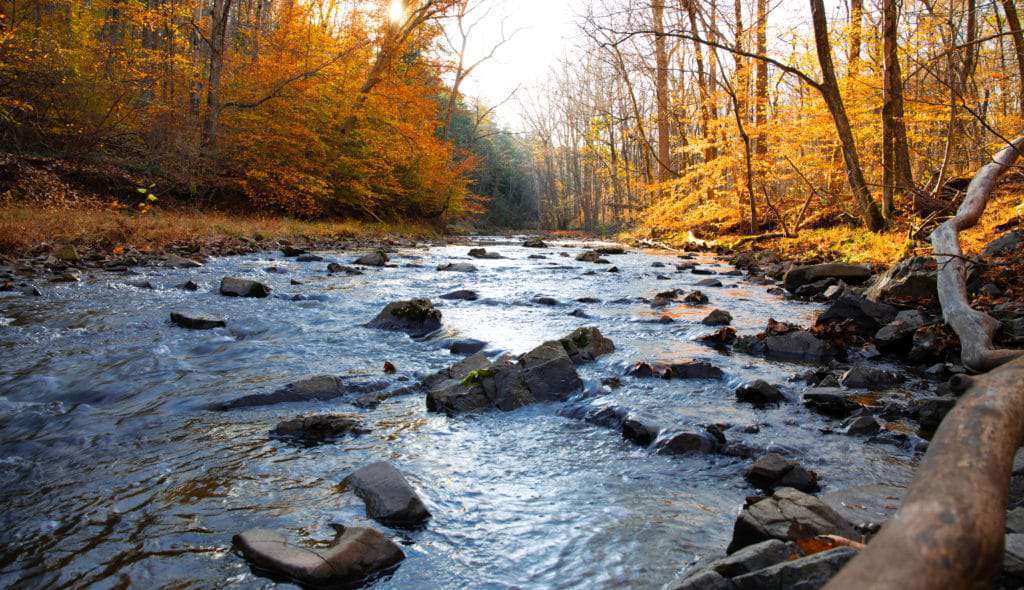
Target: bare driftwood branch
{"x": 974, "y": 327}
{"x": 948, "y": 532}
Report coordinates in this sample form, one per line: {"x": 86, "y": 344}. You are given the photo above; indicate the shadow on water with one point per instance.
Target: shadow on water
{"x": 115, "y": 474}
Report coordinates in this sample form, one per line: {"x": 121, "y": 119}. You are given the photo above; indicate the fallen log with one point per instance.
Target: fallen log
{"x": 949, "y": 530}
{"x": 975, "y": 328}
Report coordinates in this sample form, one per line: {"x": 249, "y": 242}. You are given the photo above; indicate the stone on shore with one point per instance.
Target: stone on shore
{"x": 416, "y": 318}
{"x": 788, "y": 515}
{"x": 193, "y": 321}
{"x": 868, "y": 316}
{"x": 852, "y": 274}
{"x": 873, "y": 378}
{"x": 356, "y": 556}
{"x": 807, "y": 573}
{"x": 235, "y": 287}
{"x": 799, "y": 345}
{"x": 913, "y": 278}
{"x": 388, "y": 496}
{"x": 830, "y": 401}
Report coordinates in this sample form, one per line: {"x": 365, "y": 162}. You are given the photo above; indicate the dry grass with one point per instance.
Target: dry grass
{"x": 23, "y": 228}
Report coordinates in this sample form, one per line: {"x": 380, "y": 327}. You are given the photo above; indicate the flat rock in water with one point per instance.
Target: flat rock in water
{"x": 753, "y": 558}
{"x": 377, "y": 258}
{"x": 788, "y": 515}
{"x": 695, "y": 370}
{"x": 807, "y": 573}
{"x": 465, "y": 346}
{"x": 318, "y": 428}
{"x": 683, "y": 443}
{"x": 591, "y": 256}
{"x": 457, "y": 267}
{"x": 357, "y": 555}
{"x": 461, "y": 295}
{"x": 388, "y": 496}
{"x": 416, "y": 318}
{"x": 235, "y": 287}
{"x": 319, "y": 388}
{"x": 853, "y": 274}
{"x": 194, "y": 321}
{"x": 482, "y": 253}
{"x": 535, "y": 243}
{"x": 866, "y": 506}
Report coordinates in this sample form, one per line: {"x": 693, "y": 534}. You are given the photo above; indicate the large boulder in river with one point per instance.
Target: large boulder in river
{"x": 388, "y": 496}
{"x": 788, "y": 515}
{"x": 356, "y": 555}
{"x": 235, "y": 287}
{"x": 417, "y": 318}
{"x": 913, "y": 278}
{"x": 759, "y": 393}
{"x": 851, "y": 274}
{"x": 535, "y": 243}
{"x": 868, "y": 316}
{"x": 549, "y": 373}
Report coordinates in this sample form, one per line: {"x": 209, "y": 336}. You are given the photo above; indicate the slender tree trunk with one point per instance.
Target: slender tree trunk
{"x": 1013, "y": 21}
{"x": 705, "y": 96}
{"x": 897, "y": 176}
{"x": 218, "y": 37}
{"x": 856, "y": 33}
{"x": 661, "y": 91}
{"x": 829, "y": 88}
{"x": 761, "y": 86}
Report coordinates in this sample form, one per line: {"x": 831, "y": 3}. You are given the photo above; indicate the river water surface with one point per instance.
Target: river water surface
{"x": 115, "y": 475}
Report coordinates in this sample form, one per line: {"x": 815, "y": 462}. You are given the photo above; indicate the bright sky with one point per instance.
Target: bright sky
{"x": 545, "y": 29}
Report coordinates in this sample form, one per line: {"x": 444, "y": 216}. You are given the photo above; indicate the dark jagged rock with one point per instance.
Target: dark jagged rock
{"x": 830, "y": 401}
{"x": 483, "y": 254}
{"x": 292, "y": 251}
{"x": 704, "y": 580}
{"x": 643, "y": 370}
{"x": 788, "y": 515}
{"x": 759, "y": 393}
{"x": 319, "y": 388}
{"x": 709, "y": 283}
{"x": 1004, "y": 244}
{"x": 548, "y": 301}
{"x": 774, "y": 471}
{"x": 873, "y": 378}
{"x": 335, "y": 268}
{"x": 318, "y": 428}
{"x": 461, "y": 295}
{"x": 702, "y": 271}
{"x": 799, "y": 345}
{"x": 465, "y": 346}
{"x": 357, "y": 555}
{"x": 867, "y": 315}
{"x": 866, "y": 506}
{"x": 534, "y": 243}
{"x": 194, "y": 321}
{"x": 588, "y": 300}
{"x": 717, "y": 317}
{"x": 376, "y": 258}
{"x": 719, "y": 339}
{"x": 309, "y": 258}
{"x": 417, "y": 318}
{"x": 610, "y": 250}
{"x": 853, "y": 274}
{"x": 457, "y": 267}
{"x": 586, "y": 344}
{"x": 640, "y": 430}
{"x": 898, "y": 334}
{"x": 388, "y": 496}
{"x": 235, "y": 287}
{"x": 913, "y": 278}
{"x": 750, "y": 559}
{"x": 807, "y": 573}
{"x": 188, "y": 286}
{"x": 579, "y": 313}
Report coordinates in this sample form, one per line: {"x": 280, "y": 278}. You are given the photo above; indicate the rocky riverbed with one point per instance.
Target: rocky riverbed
{"x": 478, "y": 434}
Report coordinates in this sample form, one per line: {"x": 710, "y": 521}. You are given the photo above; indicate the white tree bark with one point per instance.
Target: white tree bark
{"x": 975, "y": 329}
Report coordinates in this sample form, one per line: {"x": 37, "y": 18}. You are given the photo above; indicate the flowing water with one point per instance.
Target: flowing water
{"x": 114, "y": 473}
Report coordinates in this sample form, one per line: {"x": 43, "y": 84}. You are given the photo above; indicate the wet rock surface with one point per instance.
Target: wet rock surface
{"x": 388, "y": 496}
{"x": 195, "y": 321}
{"x": 235, "y": 287}
{"x": 416, "y": 317}
{"x": 788, "y": 515}
{"x": 318, "y": 428}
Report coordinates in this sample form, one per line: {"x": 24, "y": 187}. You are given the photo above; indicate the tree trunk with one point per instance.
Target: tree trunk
{"x": 218, "y": 37}
{"x": 761, "y": 86}
{"x": 856, "y": 33}
{"x": 829, "y": 88}
{"x": 897, "y": 176}
{"x": 661, "y": 90}
{"x": 949, "y": 530}
{"x": 974, "y": 328}
{"x": 1013, "y": 21}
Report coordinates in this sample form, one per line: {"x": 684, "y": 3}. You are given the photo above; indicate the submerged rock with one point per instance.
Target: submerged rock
{"x": 193, "y": 321}
{"x": 388, "y": 496}
{"x": 235, "y": 287}
{"x": 417, "y": 318}
{"x": 376, "y": 258}
{"x": 788, "y": 515}
{"x": 357, "y": 555}
{"x": 319, "y": 388}
{"x": 318, "y": 428}
{"x": 461, "y": 295}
